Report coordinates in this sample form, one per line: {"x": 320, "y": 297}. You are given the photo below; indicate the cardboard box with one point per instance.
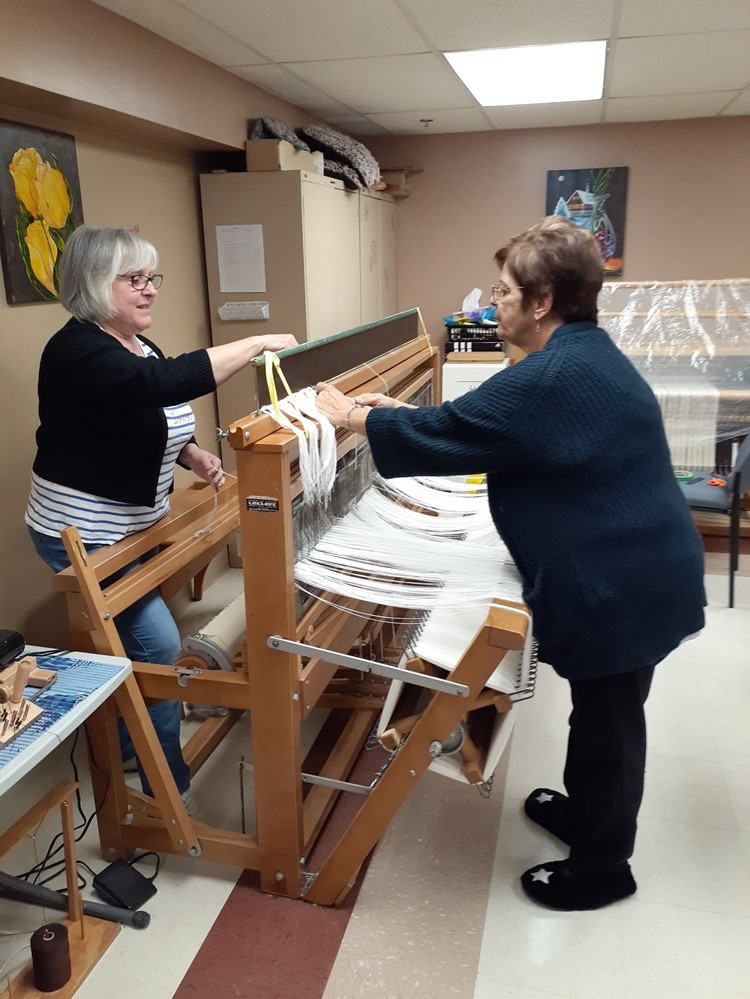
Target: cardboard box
{"x": 278, "y": 154}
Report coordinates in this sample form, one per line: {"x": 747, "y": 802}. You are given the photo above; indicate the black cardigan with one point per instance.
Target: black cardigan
{"x": 102, "y": 425}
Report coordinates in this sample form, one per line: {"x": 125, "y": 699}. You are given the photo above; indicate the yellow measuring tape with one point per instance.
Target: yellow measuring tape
{"x": 273, "y": 367}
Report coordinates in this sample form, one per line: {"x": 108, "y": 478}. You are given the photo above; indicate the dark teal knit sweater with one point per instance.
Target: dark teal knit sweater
{"x": 582, "y": 492}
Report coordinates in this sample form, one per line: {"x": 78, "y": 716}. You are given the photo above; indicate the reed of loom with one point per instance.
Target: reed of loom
{"x": 277, "y": 689}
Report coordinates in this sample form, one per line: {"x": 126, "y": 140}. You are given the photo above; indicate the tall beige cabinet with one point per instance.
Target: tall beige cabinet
{"x": 322, "y": 259}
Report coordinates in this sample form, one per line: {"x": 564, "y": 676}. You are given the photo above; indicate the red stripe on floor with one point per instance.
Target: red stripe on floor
{"x": 271, "y": 947}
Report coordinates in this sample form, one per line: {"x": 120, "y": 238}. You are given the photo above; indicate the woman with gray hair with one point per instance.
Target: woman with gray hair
{"x": 114, "y": 419}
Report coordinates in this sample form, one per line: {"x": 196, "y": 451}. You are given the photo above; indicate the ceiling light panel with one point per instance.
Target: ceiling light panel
{"x": 533, "y": 74}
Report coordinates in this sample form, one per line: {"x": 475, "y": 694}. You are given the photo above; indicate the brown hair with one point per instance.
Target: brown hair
{"x": 561, "y": 258}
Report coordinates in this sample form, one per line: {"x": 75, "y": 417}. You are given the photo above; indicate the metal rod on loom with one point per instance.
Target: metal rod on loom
{"x": 368, "y": 666}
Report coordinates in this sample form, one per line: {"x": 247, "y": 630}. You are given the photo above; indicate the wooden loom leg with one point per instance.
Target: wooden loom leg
{"x": 437, "y": 721}
{"x": 132, "y": 707}
{"x": 268, "y": 565}
{"x": 107, "y": 779}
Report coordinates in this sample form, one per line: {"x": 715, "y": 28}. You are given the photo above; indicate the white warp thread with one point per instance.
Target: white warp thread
{"x": 690, "y": 411}
{"x": 382, "y": 551}
{"x": 316, "y": 439}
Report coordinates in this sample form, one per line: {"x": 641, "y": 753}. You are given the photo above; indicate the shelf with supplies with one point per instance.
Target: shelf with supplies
{"x": 468, "y": 342}
{"x": 470, "y": 333}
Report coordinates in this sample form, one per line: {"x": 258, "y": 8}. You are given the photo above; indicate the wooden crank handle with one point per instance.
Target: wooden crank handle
{"x": 23, "y": 669}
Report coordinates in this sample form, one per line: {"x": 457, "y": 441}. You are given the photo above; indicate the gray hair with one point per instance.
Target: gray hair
{"x": 91, "y": 260}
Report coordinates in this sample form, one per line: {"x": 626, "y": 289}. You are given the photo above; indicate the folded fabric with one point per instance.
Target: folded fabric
{"x": 340, "y": 171}
{"x": 274, "y": 128}
{"x": 342, "y": 149}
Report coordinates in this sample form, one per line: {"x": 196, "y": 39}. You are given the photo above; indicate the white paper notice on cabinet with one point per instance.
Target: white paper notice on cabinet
{"x": 242, "y": 264}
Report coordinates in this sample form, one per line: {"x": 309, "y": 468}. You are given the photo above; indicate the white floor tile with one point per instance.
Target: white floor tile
{"x": 692, "y": 865}
{"x": 486, "y": 989}
{"x": 688, "y": 791}
{"x": 573, "y": 954}
{"x": 737, "y": 779}
{"x": 686, "y": 953}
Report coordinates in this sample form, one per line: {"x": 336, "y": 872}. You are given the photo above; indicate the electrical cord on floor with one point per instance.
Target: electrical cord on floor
{"x": 45, "y": 865}
{"x": 149, "y": 853}
{"x": 54, "y": 868}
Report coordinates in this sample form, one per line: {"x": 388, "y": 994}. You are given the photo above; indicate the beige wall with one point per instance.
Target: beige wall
{"x": 688, "y": 208}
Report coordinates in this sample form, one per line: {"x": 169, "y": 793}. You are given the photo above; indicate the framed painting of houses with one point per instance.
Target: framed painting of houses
{"x": 594, "y": 199}
{"x": 40, "y": 206}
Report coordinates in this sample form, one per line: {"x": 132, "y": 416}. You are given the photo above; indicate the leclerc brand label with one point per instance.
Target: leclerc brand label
{"x": 262, "y": 504}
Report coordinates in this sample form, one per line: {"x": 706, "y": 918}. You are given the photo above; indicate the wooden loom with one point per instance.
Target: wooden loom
{"x": 294, "y": 659}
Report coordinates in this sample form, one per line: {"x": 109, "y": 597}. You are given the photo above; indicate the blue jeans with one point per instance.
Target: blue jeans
{"x": 149, "y": 635}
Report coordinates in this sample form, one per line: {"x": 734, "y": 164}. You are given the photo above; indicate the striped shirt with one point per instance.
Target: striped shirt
{"x": 101, "y": 521}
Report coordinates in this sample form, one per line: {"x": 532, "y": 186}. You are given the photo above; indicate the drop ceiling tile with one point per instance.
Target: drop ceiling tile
{"x": 186, "y": 29}
{"x": 356, "y": 126}
{"x": 486, "y": 24}
{"x": 644, "y": 17}
{"x": 279, "y": 81}
{"x": 546, "y": 115}
{"x": 680, "y": 64}
{"x": 442, "y": 121}
{"x": 391, "y": 83}
{"x": 621, "y": 109}
{"x": 296, "y": 30}
{"x": 740, "y": 105}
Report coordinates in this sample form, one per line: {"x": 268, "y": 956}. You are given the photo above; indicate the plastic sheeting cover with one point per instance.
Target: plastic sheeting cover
{"x": 691, "y": 341}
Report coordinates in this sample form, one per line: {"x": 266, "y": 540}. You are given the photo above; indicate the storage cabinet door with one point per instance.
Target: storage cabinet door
{"x": 331, "y": 254}
{"x": 377, "y": 251}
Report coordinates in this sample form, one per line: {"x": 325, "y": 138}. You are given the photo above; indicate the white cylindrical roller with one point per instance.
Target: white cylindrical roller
{"x": 219, "y": 641}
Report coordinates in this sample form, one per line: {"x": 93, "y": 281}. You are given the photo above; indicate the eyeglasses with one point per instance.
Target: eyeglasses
{"x": 139, "y": 281}
{"x": 500, "y": 290}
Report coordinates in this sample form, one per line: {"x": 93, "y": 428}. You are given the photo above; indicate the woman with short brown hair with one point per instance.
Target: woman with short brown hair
{"x": 582, "y": 492}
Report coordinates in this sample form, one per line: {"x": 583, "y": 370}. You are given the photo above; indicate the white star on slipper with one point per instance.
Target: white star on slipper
{"x": 543, "y": 797}
{"x": 542, "y": 875}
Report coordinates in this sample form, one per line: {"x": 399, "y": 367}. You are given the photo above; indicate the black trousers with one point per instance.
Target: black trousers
{"x": 605, "y": 766}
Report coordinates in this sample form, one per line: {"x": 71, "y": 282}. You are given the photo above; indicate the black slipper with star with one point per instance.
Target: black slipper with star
{"x": 558, "y": 886}
{"x": 549, "y": 809}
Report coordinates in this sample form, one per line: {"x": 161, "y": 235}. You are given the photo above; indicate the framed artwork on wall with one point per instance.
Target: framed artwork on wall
{"x": 594, "y": 199}
{"x": 40, "y": 206}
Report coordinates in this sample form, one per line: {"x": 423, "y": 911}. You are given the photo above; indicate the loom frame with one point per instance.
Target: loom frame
{"x": 276, "y": 689}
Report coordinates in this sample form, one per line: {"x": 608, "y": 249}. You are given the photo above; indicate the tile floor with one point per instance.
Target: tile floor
{"x": 440, "y": 913}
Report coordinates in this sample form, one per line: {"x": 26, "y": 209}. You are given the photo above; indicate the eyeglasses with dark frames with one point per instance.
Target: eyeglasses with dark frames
{"x": 139, "y": 281}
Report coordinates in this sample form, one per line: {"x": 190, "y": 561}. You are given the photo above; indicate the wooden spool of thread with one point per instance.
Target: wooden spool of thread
{"x": 50, "y": 957}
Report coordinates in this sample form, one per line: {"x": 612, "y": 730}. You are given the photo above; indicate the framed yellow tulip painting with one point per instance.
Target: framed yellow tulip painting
{"x": 40, "y": 206}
